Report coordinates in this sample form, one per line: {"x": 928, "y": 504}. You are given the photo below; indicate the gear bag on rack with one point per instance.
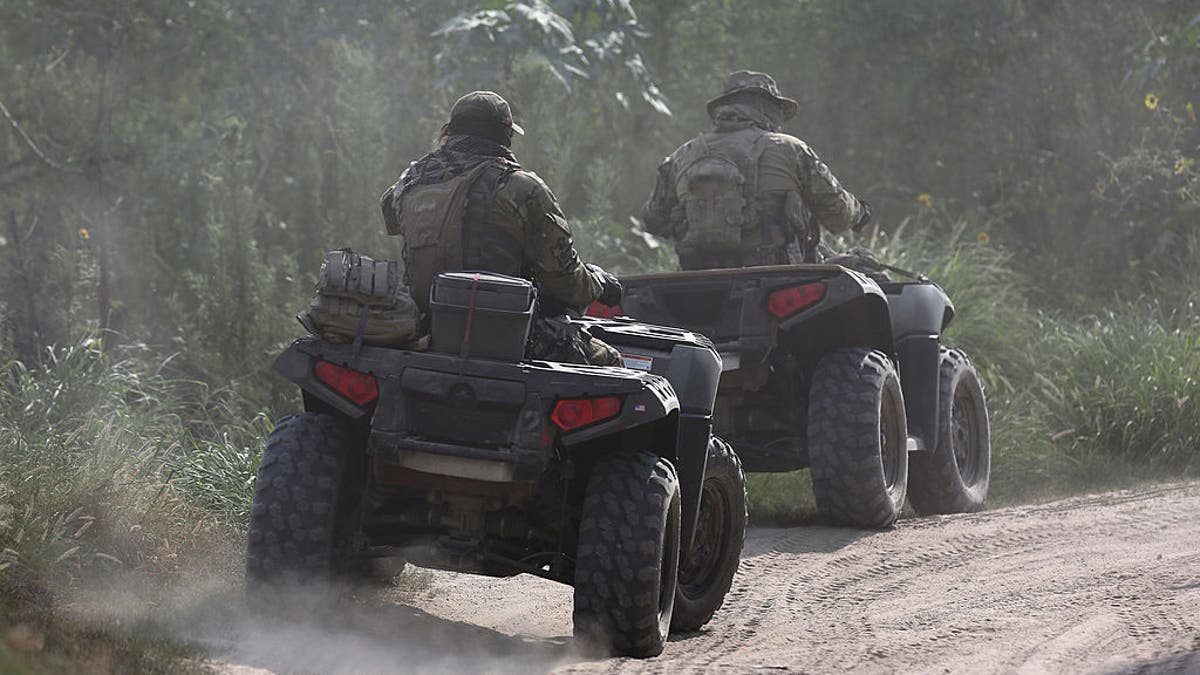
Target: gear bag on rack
{"x": 361, "y": 299}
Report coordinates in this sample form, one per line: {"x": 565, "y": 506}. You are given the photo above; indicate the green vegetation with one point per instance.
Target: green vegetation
{"x": 170, "y": 174}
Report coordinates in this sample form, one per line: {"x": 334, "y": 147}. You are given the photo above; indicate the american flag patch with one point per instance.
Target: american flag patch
{"x": 639, "y": 407}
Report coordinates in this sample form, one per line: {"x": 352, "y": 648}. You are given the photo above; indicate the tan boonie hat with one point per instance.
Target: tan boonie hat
{"x": 760, "y": 83}
{"x": 484, "y": 107}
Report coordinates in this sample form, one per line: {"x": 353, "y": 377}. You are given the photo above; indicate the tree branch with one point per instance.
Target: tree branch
{"x": 29, "y": 141}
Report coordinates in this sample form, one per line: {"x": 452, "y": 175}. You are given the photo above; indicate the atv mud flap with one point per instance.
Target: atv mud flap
{"x": 694, "y": 432}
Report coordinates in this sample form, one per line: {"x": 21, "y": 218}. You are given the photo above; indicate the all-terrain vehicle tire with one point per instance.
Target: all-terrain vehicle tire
{"x": 953, "y": 476}
{"x": 291, "y": 548}
{"x": 628, "y": 555}
{"x": 706, "y": 571}
{"x": 858, "y": 439}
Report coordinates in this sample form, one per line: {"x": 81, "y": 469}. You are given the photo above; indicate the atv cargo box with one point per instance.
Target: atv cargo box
{"x": 481, "y": 315}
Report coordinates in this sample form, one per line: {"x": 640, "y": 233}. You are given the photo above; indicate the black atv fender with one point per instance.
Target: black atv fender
{"x": 853, "y": 313}
{"x": 693, "y": 374}
{"x": 296, "y": 365}
{"x": 919, "y": 313}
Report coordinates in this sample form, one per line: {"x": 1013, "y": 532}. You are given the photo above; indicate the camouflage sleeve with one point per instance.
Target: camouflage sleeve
{"x": 656, "y": 214}
{"x": 551, "y": 253}
{"x": 390, "y": 205}
{"x": 831, "y": 204}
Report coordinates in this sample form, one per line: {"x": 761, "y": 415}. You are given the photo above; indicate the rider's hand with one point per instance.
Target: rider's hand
{"x": 610, "y": 289}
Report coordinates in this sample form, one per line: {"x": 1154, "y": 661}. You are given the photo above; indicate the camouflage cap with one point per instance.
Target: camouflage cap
{"x": 761, "y": 83}
{"x": 483, "y": 107}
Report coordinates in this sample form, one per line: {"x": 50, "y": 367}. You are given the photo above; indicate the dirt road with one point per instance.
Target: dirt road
{"x": 1107, "y": 583}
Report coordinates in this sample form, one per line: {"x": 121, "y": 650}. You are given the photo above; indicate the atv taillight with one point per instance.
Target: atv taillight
{"x": 358, "y": 387}
{"x": 575, "y": 413}
{"x": 788, "y": 301}
{"x": 600, "y": 311}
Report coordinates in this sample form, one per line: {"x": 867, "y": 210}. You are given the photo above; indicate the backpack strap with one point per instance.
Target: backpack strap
{"x": 482, "y": 241}
{"x": 750, "y": 170}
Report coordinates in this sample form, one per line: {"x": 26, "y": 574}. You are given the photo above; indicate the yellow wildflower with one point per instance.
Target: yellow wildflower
{"x": 84, "y": 234}
{"x": 926, "y": 200}
{"x": 1191, "y": 111}
{"x": 1182, "y": 164}
{"x": 982, "y": 238}
{"x": 1151, "y": 101}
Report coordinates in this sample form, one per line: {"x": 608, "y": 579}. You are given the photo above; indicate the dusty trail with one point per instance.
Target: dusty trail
{"x": 1107, "y": 583}
{"x": 1110, "y": 582}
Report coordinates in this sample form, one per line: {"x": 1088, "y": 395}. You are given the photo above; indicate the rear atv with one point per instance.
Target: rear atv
{"x": 828, "y": 369}
{"x": 595, "y": 477}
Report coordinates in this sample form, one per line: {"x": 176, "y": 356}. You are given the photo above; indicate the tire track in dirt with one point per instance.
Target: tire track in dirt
{"x": 1100, "y": 583}
{"x": 1103, "y": 583}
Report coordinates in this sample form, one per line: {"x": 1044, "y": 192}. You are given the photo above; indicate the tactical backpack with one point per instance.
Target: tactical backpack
{"x": 431, "y": 221}
{"x": 716, "y": 191}
{"x": 361, "y": 300}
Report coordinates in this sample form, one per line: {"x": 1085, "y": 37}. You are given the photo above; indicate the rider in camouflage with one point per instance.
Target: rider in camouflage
{"x": 470, "y": 205}
{"x": 745, "y": 194}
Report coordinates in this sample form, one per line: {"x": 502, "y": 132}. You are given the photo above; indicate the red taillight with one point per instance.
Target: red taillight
{"x": 356, "y": 386}
{"x": 600, "y": 311}
{"x": 575, "y": 413}
{"x": 788, "y": 301}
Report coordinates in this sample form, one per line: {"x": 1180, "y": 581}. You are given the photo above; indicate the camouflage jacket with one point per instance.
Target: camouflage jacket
{"x": 526, "y": 233}
{"x": 786, "y": 165}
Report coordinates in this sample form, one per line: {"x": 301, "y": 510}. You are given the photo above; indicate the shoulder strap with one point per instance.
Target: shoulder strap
{"x": 688, "y": 154}
{"x": 482, "y": 241}
{"x": 750, "y": 170}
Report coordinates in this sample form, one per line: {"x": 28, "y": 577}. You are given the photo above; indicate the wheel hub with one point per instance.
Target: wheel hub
{"x": 962, "y": 437}
{"x": 703, "y": 559}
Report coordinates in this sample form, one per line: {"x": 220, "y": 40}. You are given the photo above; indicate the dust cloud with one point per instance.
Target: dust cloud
{"x": 372, "y": 630}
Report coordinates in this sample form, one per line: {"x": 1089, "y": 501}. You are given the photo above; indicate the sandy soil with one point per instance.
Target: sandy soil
{"x": 1106, "y": 583}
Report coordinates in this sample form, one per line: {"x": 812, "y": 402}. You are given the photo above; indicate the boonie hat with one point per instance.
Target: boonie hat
{"x": 483, "y": 107}
{"x": 760, "y": 83}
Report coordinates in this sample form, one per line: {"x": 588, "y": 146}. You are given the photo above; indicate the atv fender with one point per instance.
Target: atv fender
{"x": 853, "y": 313}
{"x": 919, "y": 314}
{"x": 296, "y": 365}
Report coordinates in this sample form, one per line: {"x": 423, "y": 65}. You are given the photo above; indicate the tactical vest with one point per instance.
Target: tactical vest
{"x": 716, "y": 185}
{"x": 446, "y": 227}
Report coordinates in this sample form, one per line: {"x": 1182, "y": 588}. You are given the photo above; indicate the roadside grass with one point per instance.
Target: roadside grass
{"x": 781, "y": 499}
{"x": 56, "y": 646}
{"x": 110, "y": 474}
{"x": 124, "y": 494}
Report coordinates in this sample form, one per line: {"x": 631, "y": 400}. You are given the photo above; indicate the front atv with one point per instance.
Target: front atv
{"x": 826, "y": 368}
{"x": 589, "y": 476}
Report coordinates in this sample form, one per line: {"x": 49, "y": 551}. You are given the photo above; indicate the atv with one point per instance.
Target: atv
{"x": 469, "y": 457}
{"x": 833, "y": 370}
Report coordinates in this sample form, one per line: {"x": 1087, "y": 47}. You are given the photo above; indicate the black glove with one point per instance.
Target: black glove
{"x": 866, "y": 215}
{"x": 610, "y": 289}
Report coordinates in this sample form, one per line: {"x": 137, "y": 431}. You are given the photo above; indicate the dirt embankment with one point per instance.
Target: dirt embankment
{"x": 1093, "y": 584}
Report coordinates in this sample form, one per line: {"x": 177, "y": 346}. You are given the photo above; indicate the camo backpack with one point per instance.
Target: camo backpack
{"x": 359, "y": 299}
{"x": 716, "y": 189}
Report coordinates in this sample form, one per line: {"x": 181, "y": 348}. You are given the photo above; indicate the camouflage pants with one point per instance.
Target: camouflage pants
{"x": 558, "y": 339}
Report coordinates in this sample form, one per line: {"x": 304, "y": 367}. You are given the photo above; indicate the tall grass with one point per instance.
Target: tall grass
{"x": 1123, "y": 383}
{"x": 105, "y": 463}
